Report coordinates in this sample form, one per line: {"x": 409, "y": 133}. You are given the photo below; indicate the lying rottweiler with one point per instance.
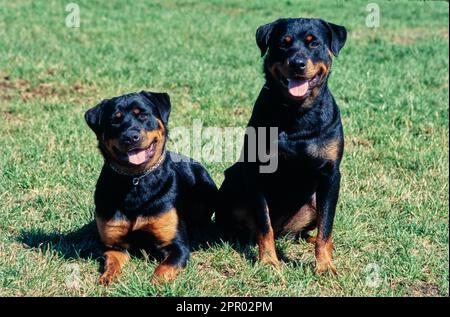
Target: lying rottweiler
{"x": 146, "y": 196}
{"x": 302, "y": 193}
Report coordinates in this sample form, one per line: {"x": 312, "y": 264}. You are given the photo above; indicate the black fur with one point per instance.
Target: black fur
{"x": 178, "y": 182}
{"x": 303, "y": 123}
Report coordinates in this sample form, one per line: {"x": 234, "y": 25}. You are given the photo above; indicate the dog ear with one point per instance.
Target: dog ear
{"x": 337, "y": 36}
{"x": 94, "y": 115}
{"x": 162, "y": 103}
{"x": 263, "y": 36}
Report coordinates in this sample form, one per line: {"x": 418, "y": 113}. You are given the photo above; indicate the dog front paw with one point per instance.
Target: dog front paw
{"x": 324, "y": 266}
{"x": 106, "y": 279}
{"x": 270, "y": 260}
{"x": 165, "y": 273}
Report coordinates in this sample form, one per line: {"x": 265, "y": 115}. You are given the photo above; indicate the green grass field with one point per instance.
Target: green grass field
{"x": 391, "y": 82}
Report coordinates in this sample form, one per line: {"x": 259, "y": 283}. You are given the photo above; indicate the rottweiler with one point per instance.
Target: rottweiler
{"x": 146, "y": 197}
{"x": 301, "y": 194}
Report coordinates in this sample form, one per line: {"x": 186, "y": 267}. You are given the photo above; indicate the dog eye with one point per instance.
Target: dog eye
{"x": 117, "y": 117}
{"x": 142, "y": 116}
{"x": 312, "y": 41}
{"x": 287, "y": 40}
{"x": 314, "y": 44}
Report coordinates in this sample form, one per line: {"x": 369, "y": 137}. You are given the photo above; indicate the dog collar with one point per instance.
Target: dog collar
{"x": 137, "y": 177}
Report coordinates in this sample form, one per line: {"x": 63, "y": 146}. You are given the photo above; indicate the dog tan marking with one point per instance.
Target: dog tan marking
{"x": 309, "y": 38}
{"x": 114, "y": 261}
{"x": 159, "y": 135}
{"x": 287, "y": 39}
{"x": 165, "y": 273}
{"x": 312, "y": 69}
{"x": 112, "y": 231}
{"x": 310, "y": 100}
{"x": 302, "y": 220}
{"x": 163, "y": 227}
{"x": 136, "y": 110}
{"x": 310, "y": 239}
{"x": 147, "y": 137}
{"x": 324, "y": 256}
{"x": 266, "y": 244}
{"x": 118, "y": 115}
{"x": 328, "y": 151}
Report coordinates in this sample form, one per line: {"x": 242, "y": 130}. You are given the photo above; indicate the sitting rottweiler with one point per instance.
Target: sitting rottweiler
{"x": 302, "y": 193}
{"x": 146, "y": 196}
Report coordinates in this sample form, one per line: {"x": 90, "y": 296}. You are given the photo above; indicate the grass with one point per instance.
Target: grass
{"x": 391, "y": 83}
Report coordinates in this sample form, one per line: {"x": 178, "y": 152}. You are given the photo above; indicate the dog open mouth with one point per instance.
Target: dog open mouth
{"x": 300, "y": 87}
{"x": 140, "y": 156}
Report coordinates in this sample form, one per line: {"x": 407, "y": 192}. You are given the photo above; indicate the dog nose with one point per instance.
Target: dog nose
{"x": 132, "y": 138}
{"x": 298, "y": 63}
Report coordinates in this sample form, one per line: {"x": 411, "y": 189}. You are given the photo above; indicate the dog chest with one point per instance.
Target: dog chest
{"x": 163, "y": 227}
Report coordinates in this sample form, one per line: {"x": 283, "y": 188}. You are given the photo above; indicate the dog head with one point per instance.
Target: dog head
{"x": 131, "y": 129}
{"x": 299, "y": 54}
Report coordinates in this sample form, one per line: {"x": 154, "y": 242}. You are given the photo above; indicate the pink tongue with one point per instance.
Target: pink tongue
{"x": 136, "y": 157}
{"x": 298, "y": 88}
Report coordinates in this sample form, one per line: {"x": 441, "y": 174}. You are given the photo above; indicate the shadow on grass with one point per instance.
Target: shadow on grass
{"x": 85, "y": 243}
{"x": 248, "y": 249}
{"x": 81, "y": 243}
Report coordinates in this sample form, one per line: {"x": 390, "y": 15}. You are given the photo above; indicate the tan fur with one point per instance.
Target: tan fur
{"x": 311, "y": 71}
{"x": 324, "y": 256}
{"x": 147, "y": 137}
{"x": 159, "y": 135}
{"x": 278, "y": 69}
{"x": 314, "y": 69}
{"x": 287, "y": 39}
{"x": 266, "y": 242}
{"x": 165, "y": 273}
{"x": 112, "y": 231}
{"x": 328, "y": 150}
{"x": 266, "y": 245}
{"x": 114, "y": 261}
{"x": 163, "y": 227}
{"x": 301, "y": 220}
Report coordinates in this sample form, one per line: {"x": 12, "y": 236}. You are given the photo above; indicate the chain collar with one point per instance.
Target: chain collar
{"x": 137, "y": 177}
